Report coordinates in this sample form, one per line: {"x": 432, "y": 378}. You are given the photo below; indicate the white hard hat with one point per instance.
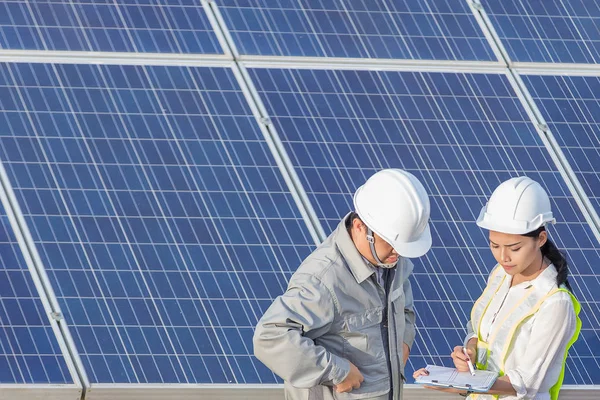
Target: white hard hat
{"x": 395, "y": 205}
{"x": 518, "y": 206}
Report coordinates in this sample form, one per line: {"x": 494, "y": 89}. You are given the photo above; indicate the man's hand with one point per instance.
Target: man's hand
{"x": 352, "y": 381}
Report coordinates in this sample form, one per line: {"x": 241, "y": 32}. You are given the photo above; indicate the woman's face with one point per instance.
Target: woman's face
{"x": 517, "y": 254}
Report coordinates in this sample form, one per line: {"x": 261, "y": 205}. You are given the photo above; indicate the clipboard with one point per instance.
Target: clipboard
{"x": 451, "y": 378}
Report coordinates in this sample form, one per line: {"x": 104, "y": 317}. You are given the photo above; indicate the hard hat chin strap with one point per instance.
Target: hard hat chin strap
{"x": 371, "y": 240}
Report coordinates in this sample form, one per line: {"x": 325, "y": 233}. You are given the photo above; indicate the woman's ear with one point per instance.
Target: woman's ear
{"x": 542, "y": 238}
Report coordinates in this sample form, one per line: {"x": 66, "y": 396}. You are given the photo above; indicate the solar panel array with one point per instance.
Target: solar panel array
{"x": 552, "y": 31}
{"x": 165, "y": 207}
{"x": 145, "y": 26}
{"x": 570, "y": 105}
{"x": 158, "y": 212}
{"x": 29, "y": 349}
{"x": 404, "y": 29}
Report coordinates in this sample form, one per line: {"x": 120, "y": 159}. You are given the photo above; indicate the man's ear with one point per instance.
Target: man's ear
{"x": 357, "y": 224}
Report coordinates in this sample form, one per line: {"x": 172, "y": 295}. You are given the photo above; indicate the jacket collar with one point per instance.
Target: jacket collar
{"x": 360, "y": 269}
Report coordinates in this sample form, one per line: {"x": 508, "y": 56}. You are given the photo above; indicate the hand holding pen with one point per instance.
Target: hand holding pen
{"x": 469, "y": 362}
{"x": 463, "y": 356}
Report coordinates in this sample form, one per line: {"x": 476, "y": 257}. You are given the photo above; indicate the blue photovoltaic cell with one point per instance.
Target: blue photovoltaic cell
{"x": 159, "y": 214}
{"x": 430, "y": 30}
{"x": 142, "y": 26}
{"x": 461, "y": 134}
{"x": 555, "y": 31}
{"x": 29, "y": 351}
{"x": 571, "y": 107}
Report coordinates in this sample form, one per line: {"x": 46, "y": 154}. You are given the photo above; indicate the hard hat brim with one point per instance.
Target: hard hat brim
{"x": 511, "y": 230}
{"x": 416, "y": 248}
{"x": 513, "y": 227}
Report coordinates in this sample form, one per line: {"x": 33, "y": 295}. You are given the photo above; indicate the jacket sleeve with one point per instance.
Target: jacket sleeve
{"x": 409, "y": 315}
{"x": 283, "y": 339}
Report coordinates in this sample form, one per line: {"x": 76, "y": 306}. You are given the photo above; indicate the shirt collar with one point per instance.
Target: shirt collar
{"x": 544, "y": 282}
{"x": 547, "y": 279}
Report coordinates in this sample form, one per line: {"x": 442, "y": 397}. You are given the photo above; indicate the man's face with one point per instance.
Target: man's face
{"x": 384, "y": 250}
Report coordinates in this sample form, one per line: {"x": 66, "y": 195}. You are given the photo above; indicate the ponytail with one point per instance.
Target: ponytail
{"x": 556, "y": 257}
{"x": 559, "y": 261}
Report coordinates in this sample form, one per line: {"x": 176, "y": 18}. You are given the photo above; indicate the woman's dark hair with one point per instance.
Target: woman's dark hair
{"x": 557, "y": 258}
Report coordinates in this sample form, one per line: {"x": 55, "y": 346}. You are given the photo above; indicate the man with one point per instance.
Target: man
{"x": 345, "y": 325}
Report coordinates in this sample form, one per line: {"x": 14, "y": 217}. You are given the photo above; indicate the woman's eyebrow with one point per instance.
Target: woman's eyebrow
{"x": 507, "y": 245}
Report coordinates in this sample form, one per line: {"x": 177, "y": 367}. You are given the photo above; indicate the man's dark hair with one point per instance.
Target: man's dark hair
{"x": 353, "y": 215}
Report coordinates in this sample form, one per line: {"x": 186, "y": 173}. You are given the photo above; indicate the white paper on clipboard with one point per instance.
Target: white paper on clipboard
{"x": 482, "y": 381}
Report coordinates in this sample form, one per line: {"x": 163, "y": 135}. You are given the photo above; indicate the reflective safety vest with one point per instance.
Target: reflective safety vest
{"x": 491, "y": 355}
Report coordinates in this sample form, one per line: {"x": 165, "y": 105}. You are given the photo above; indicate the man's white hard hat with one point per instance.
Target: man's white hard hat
{"x": 395, "y": 205}
{"x": 517, "y": 206}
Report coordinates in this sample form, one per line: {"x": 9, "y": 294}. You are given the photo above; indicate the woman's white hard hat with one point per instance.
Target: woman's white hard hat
{"x": 517, "y": 206}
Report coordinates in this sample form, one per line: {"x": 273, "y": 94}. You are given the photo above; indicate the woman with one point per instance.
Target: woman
{"x": 527, "y": 318}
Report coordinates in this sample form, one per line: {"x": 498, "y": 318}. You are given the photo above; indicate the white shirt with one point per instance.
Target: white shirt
{"x": 536, "y": 357}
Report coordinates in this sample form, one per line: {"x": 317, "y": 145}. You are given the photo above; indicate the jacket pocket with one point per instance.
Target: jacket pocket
{"x": 363, "y": 347}
{"x": 368, "y": 390}
{"x": 397, "y": 300}
{"x": 363, "y": 343}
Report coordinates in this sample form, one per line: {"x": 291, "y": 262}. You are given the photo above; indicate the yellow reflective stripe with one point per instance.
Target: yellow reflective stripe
{"x": 496, "y": 270}
{"x": 555, "y": 390}
{"x": 499, "y": 326}
{"x": 482, "y": 346}
{"x": 511, "y": 333}
{"x": 487, "y": 286}
{"x": 475, "y": 396}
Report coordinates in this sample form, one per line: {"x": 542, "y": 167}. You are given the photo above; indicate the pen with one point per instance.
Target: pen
{"x": 469, "y": 361}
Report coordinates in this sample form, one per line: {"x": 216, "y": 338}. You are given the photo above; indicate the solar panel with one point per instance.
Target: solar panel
{"x": 29, "y": 350}
{"x": 400, "y": 29}
{"x": 552, "y": 31}
{"x": 570, "y": 105}
{"x": 144, "y": 26}
{"x": 159, "y": 213}
{"x": 461, "y": 134}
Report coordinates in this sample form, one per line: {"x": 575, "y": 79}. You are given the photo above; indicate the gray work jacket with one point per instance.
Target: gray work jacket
{"x": 332, "y": 313}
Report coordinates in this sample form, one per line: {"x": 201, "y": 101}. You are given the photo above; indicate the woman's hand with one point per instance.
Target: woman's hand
{"x": 460, "y": 358}
{"x": 424, "y": 372}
